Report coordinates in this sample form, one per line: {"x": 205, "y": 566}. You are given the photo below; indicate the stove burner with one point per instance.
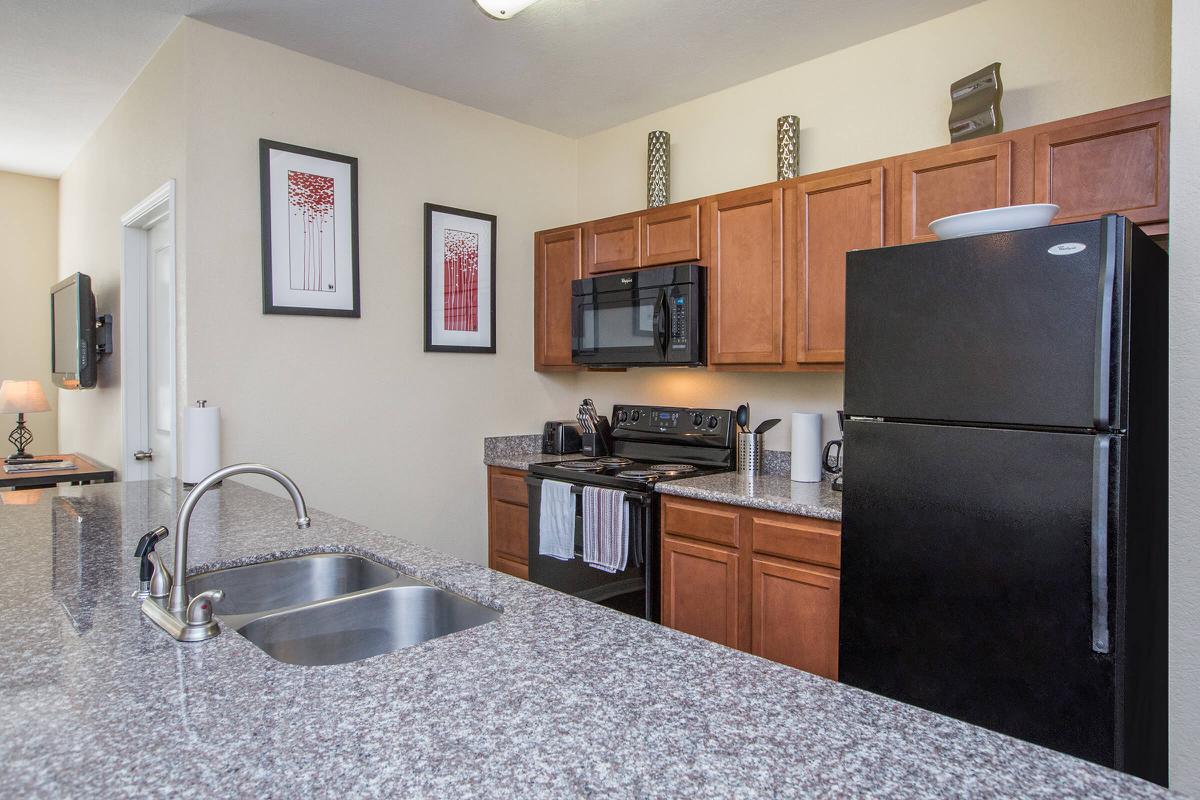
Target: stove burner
{"x": 672, "y": 469}
{"x": 582, "y": 466}
{"x": 614, "y": 461}
{"x": 638, "y": 474}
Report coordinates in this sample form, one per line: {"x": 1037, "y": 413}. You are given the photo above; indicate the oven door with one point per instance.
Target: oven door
{"x": 634, "y": 590}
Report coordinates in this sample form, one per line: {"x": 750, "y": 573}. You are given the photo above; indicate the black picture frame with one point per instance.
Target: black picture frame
{"x": 430, "y": 347}
{"x": 265, "y": 146}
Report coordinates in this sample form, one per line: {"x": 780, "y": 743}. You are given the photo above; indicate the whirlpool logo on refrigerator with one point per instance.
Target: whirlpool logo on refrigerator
{"x": 1067, "y": 248}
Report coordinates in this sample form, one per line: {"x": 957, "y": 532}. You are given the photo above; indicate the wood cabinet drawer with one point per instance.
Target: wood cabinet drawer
{"x": 709, "y": 522}
{"x": 671, "y": 235}
{"x": 509, "y": 487}
{"x": 797, "y": 538}
{"x": 515, "y": 568}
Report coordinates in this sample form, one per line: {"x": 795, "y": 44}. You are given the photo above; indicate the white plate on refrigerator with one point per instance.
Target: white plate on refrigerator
{"x": 994, "y": 220}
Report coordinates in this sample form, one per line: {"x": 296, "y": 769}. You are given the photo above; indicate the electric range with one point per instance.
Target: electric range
{"x": 649, "y": 444}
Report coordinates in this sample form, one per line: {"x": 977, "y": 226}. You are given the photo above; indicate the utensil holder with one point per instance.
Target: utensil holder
{"x": 750, "y": 453}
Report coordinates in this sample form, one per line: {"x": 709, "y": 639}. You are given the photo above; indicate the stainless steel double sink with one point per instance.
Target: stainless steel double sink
{"x": 332, "y": 608}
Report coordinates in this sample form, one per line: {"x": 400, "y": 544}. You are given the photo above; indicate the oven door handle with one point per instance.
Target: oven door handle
{"x": 661, "y": 327}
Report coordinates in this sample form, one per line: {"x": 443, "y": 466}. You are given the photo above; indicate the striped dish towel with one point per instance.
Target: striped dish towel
{"x": 605, "y": 528}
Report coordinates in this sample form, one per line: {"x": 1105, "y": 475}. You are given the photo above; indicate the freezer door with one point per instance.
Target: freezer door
{"x": 1018, "y": 328}
{"x": 974, "y": 582}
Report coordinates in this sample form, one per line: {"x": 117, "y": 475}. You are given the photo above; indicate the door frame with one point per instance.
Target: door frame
{"x": 134, "y": 328}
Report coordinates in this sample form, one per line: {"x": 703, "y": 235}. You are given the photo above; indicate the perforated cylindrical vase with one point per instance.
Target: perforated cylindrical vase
{"x": 787, "y": 147}
{"x": 658, "y": 169}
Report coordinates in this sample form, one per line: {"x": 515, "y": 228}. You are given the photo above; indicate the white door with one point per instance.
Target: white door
{"x": 160, "y": 371}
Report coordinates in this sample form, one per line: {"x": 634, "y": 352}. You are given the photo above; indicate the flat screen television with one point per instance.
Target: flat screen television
{"x": 73, "y": 353}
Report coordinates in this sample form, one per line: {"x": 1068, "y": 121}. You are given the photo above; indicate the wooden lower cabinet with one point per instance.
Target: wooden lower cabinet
{"x": 700, "y": 590}
{"x": 795, "y": 614}
{"x": 753, "y": 580}
{"x": 508, "y": 521}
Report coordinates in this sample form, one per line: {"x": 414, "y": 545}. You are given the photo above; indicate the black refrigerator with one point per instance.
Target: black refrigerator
{"x": 1004, "y": 512}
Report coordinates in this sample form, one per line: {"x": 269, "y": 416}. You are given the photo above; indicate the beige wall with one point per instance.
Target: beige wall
{"x": 880, "y": 98}
{"x": 1184, "y": 462}
{"x": 28, "y": 268}
{"x": 371, "y": 427}
{"x": 140, "y": 146}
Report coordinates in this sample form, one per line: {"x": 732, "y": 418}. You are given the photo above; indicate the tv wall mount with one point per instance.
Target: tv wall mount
{"x": 104, "y": 336}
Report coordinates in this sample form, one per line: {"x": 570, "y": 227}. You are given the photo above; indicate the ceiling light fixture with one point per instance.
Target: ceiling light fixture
{"x": 503, "y": 9}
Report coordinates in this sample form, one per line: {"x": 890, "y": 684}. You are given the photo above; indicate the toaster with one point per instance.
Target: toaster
{"x": 562, "y": 436}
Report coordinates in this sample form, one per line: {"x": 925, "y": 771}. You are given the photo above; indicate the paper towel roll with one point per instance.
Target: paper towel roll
{"x": 806, "y": 447}
{"x": 201, "y": 442}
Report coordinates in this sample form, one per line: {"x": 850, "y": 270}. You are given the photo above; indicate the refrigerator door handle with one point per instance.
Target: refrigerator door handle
{"x": 1100, "y": 471}
{"x": 1102, "y": 401}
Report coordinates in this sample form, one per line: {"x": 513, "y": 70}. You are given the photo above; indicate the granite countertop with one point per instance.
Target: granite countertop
{"x": 518, "y": 452}
{"x": 557, "y": 698}
{"x": 772, "y": 492}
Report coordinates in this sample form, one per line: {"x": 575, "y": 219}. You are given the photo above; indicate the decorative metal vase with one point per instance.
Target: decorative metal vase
{"x": 658, "y": 169}
{"x": 787, "y": 149}
{"x": 975, "y": 104}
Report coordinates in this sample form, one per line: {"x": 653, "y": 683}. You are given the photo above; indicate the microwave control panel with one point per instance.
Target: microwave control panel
{"x": 678, "y": 315}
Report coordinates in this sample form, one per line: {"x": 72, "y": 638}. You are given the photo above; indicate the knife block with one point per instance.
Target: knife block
{"x": 600, "y": 442}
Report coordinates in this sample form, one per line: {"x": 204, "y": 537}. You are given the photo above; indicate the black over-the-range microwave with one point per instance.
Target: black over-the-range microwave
{"x": 647, "y": 318}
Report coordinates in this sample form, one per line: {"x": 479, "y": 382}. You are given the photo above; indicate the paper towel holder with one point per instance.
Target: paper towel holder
{"x": 186, "y": 484}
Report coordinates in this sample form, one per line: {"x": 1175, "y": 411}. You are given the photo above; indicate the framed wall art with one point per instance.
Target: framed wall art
{"x": 309, "y": 231}
{"x": 460, "y": 281}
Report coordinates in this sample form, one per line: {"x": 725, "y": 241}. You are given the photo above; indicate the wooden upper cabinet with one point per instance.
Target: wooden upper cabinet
{"x": 671, "y": 234}
{"x": 613, "y": 245}
{"x": 745, "y": 290}
{"x": 557, "y": 261}
{"x": 835, "y": 214}
{"x": 700, "y": 590}
{"x": 795, "y": 617}
{"x": 1110, "y": 164}
{"x": 951, "y": 180}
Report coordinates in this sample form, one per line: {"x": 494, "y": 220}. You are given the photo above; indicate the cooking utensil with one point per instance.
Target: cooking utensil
{"x": 766, "y": 426}
{"x": 743, "y": 417}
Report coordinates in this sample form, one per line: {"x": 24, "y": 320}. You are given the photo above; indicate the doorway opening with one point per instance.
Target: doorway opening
{"x": 149, "y": 442}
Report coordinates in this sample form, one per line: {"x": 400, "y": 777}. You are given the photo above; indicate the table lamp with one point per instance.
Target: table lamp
{"x": 21, "y": 398}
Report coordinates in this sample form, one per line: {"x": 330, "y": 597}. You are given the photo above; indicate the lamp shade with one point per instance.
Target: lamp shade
{"x": 22, "y": 397}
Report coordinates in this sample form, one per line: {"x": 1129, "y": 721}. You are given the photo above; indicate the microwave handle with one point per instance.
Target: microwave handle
{"x": 662, "y": 329}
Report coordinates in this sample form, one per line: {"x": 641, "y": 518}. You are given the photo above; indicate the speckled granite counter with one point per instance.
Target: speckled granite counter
{"x": 772, "y": 492}
{"x": 557, "y": 698}
{"x": 518, "y": 452}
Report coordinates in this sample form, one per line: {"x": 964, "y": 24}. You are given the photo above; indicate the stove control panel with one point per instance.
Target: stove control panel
{"x": 709, "y": 426}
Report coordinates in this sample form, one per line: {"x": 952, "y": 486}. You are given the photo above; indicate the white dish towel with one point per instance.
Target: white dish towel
{"x": 556, "y": 521}
{"x": 605, "y": 528}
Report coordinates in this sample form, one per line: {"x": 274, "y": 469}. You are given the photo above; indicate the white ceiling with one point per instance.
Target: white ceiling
{"x": 570, "y": 66}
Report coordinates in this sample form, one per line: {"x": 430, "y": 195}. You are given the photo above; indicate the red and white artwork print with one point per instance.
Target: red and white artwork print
{"x": 312, "y": 250}
{"x": 460, "y": 288}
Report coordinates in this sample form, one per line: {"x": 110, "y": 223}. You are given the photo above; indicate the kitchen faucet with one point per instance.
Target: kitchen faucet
{"x": 191, "y": 620}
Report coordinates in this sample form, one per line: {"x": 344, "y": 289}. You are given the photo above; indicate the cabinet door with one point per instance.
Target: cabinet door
{"x": 671, "y": 235}
{"x": 700, "y": 590}
{"x": 835, "y": 214}
{"x": 1116, "y": 165}
{"x": 613, "y": 244}
{"x": 557, "y": 262}
{"x": 945, "y": 181}
{"x": 508, "y": 522}
{"x": 795, "y": 619}
{"x": 745, "y": 290}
